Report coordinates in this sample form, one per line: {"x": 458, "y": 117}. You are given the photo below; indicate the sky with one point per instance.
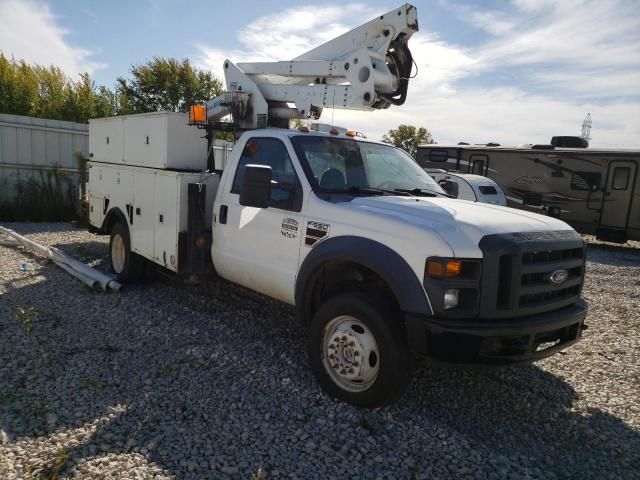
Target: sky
{"x": 506, "y": 71}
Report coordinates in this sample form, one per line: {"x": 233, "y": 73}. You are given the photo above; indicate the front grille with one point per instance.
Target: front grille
{"x": 518, "y": 270}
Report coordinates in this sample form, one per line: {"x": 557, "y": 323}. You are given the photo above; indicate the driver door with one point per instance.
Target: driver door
{"x": 259, "y": 248}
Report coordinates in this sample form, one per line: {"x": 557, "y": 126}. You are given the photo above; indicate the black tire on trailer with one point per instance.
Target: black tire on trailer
{"x": 358, "y": 350}
{"x": 127, "y": 265}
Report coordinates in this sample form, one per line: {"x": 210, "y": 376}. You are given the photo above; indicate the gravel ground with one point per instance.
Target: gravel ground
{"x": 211, "y": 381}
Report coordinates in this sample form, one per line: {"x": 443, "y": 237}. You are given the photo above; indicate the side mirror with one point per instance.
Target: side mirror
{"x": 452, "y": 188}
{"x": 256, "y": 186}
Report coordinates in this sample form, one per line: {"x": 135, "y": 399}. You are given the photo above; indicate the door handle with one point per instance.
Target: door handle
{"x": 222, "y": 218}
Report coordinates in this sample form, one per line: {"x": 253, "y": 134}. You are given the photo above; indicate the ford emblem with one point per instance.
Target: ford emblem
{"x": 558, "y": 277}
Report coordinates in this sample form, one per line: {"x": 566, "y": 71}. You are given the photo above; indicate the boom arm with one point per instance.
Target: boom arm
{"x": 366, "y": 68}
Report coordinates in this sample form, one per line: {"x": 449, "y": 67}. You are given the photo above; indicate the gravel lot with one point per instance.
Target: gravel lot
{"x": 211, "y": 381}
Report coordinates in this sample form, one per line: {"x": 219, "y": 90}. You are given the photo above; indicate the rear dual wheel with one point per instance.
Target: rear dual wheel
{"x": 358, "y": 351}
{"x": 128, "y": 266}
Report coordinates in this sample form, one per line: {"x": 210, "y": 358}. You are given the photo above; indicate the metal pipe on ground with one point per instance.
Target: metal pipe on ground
{"x": 89, "y": 276}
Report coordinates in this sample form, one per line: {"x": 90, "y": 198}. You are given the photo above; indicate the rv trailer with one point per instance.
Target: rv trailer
{"x": 596, "y": 191}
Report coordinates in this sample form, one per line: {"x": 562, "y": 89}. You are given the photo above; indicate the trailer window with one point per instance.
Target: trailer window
{"x": 587, "y": 181}
{"x": 488, "y": 190}
{"x": 620, "y": 178}
{"x": 271, "y": 152}
{"x": 436, "y": 155}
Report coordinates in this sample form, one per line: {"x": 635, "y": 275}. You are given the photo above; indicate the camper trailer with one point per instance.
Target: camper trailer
{"x": 596, "y": 191}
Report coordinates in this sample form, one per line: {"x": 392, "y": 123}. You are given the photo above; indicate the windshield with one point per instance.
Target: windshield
{"x": 343, "y": 164}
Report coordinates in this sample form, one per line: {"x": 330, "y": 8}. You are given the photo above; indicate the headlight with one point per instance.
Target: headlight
{"x": 453, "y": 285}
{"x": 450, "y": 298}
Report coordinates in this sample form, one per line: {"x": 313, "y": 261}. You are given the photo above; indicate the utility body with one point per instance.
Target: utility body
{"x": 380, "y": 263}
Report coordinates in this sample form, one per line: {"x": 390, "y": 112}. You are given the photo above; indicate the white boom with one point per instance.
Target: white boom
{"x": 366, "y": 68}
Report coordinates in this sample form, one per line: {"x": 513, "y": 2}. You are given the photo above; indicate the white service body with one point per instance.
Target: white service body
{"x": 154, "y": 202}
{"x": 157, "y": 140}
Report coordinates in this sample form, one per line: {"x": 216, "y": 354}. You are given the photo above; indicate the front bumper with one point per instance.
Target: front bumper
{"x": 496, "y": 342}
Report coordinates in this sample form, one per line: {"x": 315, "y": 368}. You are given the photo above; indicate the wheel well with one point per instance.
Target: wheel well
{"x": 114, "y": 216}
{"x": 339, "y": 276}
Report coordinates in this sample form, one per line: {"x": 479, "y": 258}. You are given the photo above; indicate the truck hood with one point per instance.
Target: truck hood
{"x": 459, "y": 222}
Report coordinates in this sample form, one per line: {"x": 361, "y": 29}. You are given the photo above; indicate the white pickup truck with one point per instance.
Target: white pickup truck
{"x": 379, "y": 262}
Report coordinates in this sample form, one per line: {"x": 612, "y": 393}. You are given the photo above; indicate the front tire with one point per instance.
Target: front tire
{"x": 128, "y": 266}
{"x": 358, "y": 351}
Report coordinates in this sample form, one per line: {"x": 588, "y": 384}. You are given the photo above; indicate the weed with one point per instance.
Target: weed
{"x": 42, "y": 195}
{"x": 7, "y": 396}
{"x": 58, "y": 463}
{"x": 168, "y": 370}
{"x": 255, "y": 389}
{"x": 95, "y": 384}
{"x": 258, "y": 475}
{"x": 109, "y": 348}
{"x": 26, "y": 316}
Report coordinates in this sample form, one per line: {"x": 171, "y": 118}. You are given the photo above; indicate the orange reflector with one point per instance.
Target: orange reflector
{"x": 351, "y": 133}
{"x": 303, "y": 129}
{"x": 453, "y": 268}
{"x": 334, "y": 131}
{"x": 200, "y": 242}
{"x": 437, "y": 269}
{"x": 198, "y": 114}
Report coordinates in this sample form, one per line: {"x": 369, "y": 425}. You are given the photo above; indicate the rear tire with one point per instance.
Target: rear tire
{"x": 358, "y": 350}
{"x": 128, "y": 266}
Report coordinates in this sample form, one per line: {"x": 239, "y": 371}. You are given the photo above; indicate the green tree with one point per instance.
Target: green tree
{"x": 165, "y": 84}
{"x": 408, "y": 138}
{"x": 54, "y": 92}
{"x": 47, "y": 92}
{"x": 19, "y": 87}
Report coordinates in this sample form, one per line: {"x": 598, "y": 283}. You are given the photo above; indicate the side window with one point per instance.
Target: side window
{"x": 488, "y": 190}
{"x": 285, "y": 189}
{"x": 320, "y": 162}
{"x": 587, "y": 181}
{"x": 437, "y": 155}
{"x": 620, "y": 178}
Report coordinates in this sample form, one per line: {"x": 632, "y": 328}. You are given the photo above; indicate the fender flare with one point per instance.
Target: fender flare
{"x": 113, "y": 212}
{"x": 375, "y": 256}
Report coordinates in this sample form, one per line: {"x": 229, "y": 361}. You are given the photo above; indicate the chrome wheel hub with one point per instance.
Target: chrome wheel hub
{"x": 350, "y": 353}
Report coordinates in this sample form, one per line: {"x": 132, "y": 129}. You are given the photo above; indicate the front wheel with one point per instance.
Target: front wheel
{"x": 358, "y": 351}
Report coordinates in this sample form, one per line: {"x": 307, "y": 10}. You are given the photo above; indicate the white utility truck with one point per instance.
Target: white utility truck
{"x": 380, "y": 263}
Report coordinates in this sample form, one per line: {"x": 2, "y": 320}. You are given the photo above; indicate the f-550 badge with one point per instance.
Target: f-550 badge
{"x": 316, "y": 232}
